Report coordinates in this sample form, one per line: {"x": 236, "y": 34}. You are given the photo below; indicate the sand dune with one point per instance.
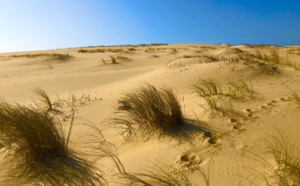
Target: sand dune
{"x": 98, "y": 84}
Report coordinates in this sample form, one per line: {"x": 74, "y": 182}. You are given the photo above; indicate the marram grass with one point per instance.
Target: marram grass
{"x": 285, "y": 169}
{"x": 150, "y": 110}
{"x": 38, "y": 150}
{"x": 235, "y": 90}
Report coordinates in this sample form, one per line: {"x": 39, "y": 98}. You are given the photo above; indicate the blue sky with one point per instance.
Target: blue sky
{"x": 50, "y": 24}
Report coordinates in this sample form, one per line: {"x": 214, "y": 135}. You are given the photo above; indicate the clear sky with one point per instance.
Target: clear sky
{"x": 51, "y": 24}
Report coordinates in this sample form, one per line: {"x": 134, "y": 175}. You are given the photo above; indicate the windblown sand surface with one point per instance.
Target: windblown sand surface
{"x": 97, "y": 85}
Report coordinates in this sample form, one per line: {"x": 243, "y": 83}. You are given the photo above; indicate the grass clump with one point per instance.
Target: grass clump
{"x": 291, "y": 64}
{"x": 208, "y": 87}
{"x": 216, "y": 95}
{"x": 293, "y": 51}
{"x": 239, "y": 90}
{"x": 91, "y": 51}
{"x": 61, "y": 57}
{"x": 54, "y": 56}
{"x": 286, "y": 155}
{"x": 115, "y": 50}
{"x": 286, "y": 169}
{"x": 265, "y": 63}
{"x": 223, "y": 108}
{"x": 191, "y": 56}
{"x": 150, "y": 50}
{"x": 174, "y": 50}
{"x": 148, "y": 110}
{"x": 38, "y": 151}
{"x": 268, "y": 69}
{"x": 210, "y": 58}
{"x": 235, "y": 90}
{"x": 131, "y": 49}
{"x": 113, "y": 60}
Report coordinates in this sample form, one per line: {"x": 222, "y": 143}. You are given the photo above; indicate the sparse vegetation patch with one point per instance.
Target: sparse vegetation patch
{"x": 149, "y": 110}
{"x": 266, "y": 63}
{"x": 235, "y": 90}
{"x": 54, "y": 56}
{"x": 286, "y": 169}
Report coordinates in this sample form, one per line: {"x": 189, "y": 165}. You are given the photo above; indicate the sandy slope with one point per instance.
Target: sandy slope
{"x": 101, "y": 85}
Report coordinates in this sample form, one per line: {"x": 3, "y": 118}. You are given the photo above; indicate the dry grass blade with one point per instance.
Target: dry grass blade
{"x": 294, "y": 97}
{"x": 161, "y": 177}
{"x": 44, "y": 98}
{"x": 286, "y": 156}
{"x": 239, "y": 90}
{"x": 38, "y": 146}
{"x": 208, "y": 87}
{"x": 224, "y": 108}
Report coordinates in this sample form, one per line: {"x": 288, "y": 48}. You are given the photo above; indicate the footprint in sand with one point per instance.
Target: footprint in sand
{"x": 188, "y": 161}
{"x": 267, "y": 107}
{"x": 251, "y": 113}
{"x": 272, "y": 103}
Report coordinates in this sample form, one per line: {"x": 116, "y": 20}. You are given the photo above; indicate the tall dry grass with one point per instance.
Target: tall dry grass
{"x": 40, "y": 149}
{"x": 235, "y": 90}
{"x": 149, "y": 110}
{"x": 285, "y": 171}
{"x": 44, "y": 99}
{"x": 266, "y": 63}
